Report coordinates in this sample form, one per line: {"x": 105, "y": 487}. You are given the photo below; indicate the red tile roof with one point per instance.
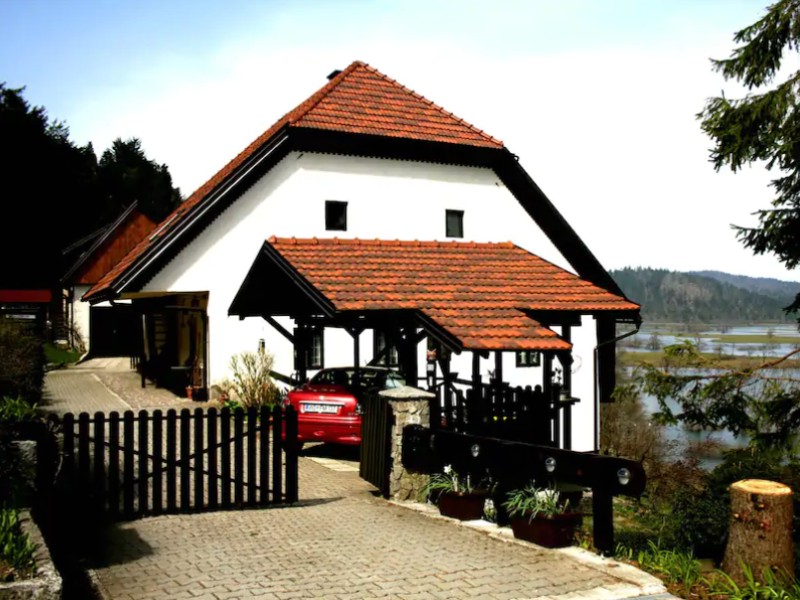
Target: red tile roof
{"x": 476, "y": 291}
{"x": 360, "y": 100}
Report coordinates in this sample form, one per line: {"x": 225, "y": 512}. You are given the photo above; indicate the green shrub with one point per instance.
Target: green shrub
{"x": 252, "y": 379}
{"x": 16, "y": 549}
{"x": 21, "y": 361}
{"x": 16, "y": 410}
{"x": 699, "y": 523}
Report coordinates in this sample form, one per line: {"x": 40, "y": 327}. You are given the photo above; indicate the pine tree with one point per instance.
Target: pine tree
{"x": 764, "y": 125}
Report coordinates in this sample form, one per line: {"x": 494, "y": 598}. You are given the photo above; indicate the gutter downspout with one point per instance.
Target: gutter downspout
{"x": 638, "y": 324}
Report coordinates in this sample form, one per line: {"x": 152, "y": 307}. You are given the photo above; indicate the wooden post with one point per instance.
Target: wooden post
{"x": 185, "y": 434}
{"x": 263, "y": 455}
{"x": 199, "y": 462}
{"x": 252, "y": 428}
{"x": 291, "y": 454}
{"x": 99, "y": 460}
{"x": 566, "y": 364}
{"x": 225, "y": 457}
{"x": 476, "y": 373}
{"x": 238, "y": 458}
{"x": 761, "y": 529}
{"x": 603, "y": 521}
{"x": 213, "y": 473}
{"x": 113, "y": 463}
{"x": 158, "y": 462}
{"x": 143, "y": 450}
{"x": 127, "y": 464}
{"x": 277, "y": 456}
{"x": 172, "y": 465}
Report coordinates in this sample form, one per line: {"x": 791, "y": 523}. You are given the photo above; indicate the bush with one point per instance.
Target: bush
{"x": 22, "y": 361}
{"x": 252, "y": 379}
{"x": 699, "y": 523}
{"x": 16, "y": 550}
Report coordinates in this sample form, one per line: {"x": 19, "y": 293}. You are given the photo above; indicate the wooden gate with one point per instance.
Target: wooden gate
{"x": 152, "y": 463}
{"x": 376, "y": 426}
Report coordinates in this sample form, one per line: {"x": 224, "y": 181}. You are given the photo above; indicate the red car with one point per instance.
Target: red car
{"x": 328, "y": 407}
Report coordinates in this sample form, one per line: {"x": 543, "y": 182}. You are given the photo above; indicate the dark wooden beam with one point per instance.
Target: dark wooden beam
{"x": 476, "y": 374}
{"x": 566, "y": 363}
{"x": 555, "y": 318}
{"x": 279, "y": 328}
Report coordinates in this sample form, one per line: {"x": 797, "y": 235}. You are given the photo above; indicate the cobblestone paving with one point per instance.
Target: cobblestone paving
{"x": 106, "y": 384}
{"x": 342, "y": 542}
{"x": 68, "y": 390}
{"x": 339, "y": 542}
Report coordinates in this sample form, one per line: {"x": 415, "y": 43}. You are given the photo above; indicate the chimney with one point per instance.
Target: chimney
{"x": 333, "y": 74}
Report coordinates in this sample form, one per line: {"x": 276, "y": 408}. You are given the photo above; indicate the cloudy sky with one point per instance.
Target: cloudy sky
{"x": 597, "y": 97}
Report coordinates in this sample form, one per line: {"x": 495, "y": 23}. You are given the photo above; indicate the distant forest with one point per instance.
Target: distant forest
{"x": 707, "y": 296}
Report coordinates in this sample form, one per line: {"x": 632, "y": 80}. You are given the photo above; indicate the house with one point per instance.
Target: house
{"x": 364, "y": 221}
{"x": 97, "y": 328}
{"x": 26, "y": 305}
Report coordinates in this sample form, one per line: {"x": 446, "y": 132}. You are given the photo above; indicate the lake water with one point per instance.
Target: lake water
{"x": 681, "y": 434}
{"x": 650, "y": 337}
{"x": 685, "y": 437}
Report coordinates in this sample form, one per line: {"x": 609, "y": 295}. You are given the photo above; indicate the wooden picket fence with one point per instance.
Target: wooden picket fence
{"x": 150, "y": 463}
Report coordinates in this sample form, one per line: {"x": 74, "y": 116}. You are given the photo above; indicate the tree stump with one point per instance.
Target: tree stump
{"x": 760, "y": 528}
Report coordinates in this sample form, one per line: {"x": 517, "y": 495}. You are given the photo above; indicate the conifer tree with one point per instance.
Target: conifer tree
{"x": 764, "y": 126}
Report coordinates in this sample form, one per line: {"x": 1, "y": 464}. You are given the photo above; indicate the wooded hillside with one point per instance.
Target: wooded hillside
{"x": 693, "y": 298}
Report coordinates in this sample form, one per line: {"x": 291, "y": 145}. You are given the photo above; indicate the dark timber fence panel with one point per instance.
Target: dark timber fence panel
{"x": 519, "y": 414}
{"x": 113, "y": 463}
{"x": 151, "y": 463}
{"x": 225, "y": 440}
{"x": 158, "y": 462}
{"x": 277, "y": 455}
{"x": 128, "y": 452}
{"x": 213, "y": 477}
{"x": 263, "y": 458}
{"x": 198, "y": 459}
{"x": 375, "y": 443}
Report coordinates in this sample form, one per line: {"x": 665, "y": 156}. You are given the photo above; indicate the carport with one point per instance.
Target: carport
{"x": 485, "y": 298}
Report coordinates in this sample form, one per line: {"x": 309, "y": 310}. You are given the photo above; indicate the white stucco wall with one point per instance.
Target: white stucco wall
{"x": 80, "y": 313}
{"x": 386, "y": 199}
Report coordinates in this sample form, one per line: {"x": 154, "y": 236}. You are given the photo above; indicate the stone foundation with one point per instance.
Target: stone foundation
{"x": 409, "y": 406}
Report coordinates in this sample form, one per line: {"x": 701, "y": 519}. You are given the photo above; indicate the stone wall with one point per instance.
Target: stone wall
{"x": 46, "y": 583}
{"x": 409, "y": 406}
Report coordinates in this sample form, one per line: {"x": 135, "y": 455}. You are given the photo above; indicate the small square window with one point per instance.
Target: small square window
{"x": 454, "y": 223}
{"x": 528, "y": 358}
{"x": 335, "y": 215}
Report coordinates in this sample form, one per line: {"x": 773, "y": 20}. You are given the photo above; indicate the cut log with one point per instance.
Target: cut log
{"x": 760, "y": 529}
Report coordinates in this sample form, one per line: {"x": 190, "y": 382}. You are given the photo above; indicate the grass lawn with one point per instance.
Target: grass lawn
{"x": 754, "y": 339}
{"x": 635, "y": 359}
{"x": 60, "y": 355}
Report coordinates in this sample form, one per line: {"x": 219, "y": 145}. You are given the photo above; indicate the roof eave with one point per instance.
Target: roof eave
{"x": 275, "y": 148}
{"x": 99, "y": 241}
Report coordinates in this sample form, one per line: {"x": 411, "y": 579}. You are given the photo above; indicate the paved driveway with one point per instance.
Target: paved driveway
{"x": 340, "y": 541}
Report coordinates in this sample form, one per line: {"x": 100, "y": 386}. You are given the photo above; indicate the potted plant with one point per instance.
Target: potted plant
{"x": 456, "y": 495}
{"x": 538, "y": 515}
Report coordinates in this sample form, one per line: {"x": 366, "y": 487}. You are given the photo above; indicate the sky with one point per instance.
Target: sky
{"x": 598, "y": 98}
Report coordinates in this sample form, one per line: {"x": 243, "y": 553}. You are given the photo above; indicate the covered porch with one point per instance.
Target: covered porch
{"x": 484, "y": 299}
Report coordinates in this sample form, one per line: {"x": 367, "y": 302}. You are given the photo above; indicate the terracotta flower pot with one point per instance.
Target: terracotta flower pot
{"x": 554, "y": 531}
{"x": 462, "y": 506}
